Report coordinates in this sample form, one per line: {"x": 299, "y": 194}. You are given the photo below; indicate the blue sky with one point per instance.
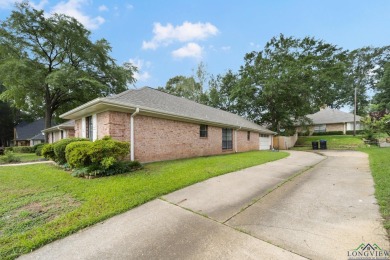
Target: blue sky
{"x": 169, "y": 38}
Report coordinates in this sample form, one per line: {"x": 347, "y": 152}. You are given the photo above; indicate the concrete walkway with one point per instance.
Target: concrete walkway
{"x": 24, "y": 163}
{"x": 320, "y": 214}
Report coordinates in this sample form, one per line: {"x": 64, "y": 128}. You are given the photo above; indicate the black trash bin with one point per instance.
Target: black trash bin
{"x": 323, "y": 144}
{"x": 314, "y": 145}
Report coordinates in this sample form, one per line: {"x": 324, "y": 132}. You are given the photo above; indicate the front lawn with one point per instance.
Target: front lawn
{"x": 26, "y": 157}
{"x": 334, "y": 142}
{"x": 380, "y": 168}
{"x": 41, "y": 203}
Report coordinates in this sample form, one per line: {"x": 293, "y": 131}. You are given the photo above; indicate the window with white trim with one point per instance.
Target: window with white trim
{"x": 227, "y": 138}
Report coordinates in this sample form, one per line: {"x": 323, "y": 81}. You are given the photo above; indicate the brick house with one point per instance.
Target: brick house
{"x": 161, "y": 126}
{"x": 61, "y": 131}
{"x": 330, "y": 120}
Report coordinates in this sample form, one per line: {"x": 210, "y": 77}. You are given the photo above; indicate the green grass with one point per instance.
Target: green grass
{"x": 334, "y": 142}
{"x": 26, "y": 157}
{"x": 41, "y": 203}
{"x": 380, "y": 168}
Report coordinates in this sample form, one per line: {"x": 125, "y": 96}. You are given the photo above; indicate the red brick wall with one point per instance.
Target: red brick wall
{"x": 159, "y": 139}
{"x": 70, "y": 133}
{"x": 114, "y": 124}
{"x": 77, "y": 128}
{"x": 244, "y": 144}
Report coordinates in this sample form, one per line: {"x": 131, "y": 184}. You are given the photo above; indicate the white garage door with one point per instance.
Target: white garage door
{"x": 265, "y": 142}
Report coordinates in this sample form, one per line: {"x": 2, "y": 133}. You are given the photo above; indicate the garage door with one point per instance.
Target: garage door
{"x": 265, "y": 142}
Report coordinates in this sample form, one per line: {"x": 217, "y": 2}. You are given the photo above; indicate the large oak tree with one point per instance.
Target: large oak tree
{"x": 48, "y": 64}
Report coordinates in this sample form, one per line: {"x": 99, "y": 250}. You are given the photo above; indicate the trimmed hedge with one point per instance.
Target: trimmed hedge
{"x": 38, "y": 149}
{"x": 60, "y": 146}
{"x": 358, "y": 132}
{"x": 329, "y": 133}
{"x": 48, "y": 152}
{"x": 76, "y": 154}
{"x": 23, "y": 149}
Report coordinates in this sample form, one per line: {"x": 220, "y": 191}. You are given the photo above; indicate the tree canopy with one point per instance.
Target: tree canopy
{"x": 48, "y": 64}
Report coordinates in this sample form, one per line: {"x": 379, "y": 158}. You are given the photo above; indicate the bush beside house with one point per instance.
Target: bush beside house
{"x": 86, "y": 158}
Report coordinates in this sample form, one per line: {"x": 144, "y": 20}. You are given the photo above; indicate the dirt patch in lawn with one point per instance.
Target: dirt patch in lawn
{"x": 40, "y": 210}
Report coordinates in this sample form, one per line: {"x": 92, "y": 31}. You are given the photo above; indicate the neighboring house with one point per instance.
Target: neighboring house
{"x": 329, "y": 120}
{"x": 29, "y": 134}
{"x": 61, "y": 131}
{"x": 160, "y": 126}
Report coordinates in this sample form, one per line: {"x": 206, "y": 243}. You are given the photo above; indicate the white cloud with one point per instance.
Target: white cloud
{"x": 73, "y": 8}
{"x": 225, "y": 48}
{"x": 141, "y": 75}
{"x": 129, "y": 6}
{"x": 103, "y": 8}
{"x": 165, "y": 35}
{"x": 190, "y": 50}
{"x": 6, "y": 4}
{"x": 40, "y": 5}
{"x": 252, "y": 44}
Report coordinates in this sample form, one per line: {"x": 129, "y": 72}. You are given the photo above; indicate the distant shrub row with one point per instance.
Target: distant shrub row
{"x": 86, "y": 158}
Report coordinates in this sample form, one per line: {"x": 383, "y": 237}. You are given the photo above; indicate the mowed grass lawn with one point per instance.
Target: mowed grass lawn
{"x": 26, "y": 157}
{"x": 41, "y": 203}
{"x": 333, "y": 142}
{"x": 380, "y": 168}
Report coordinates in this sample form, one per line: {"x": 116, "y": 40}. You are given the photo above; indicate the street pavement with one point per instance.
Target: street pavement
{"x": 305, "y": 206}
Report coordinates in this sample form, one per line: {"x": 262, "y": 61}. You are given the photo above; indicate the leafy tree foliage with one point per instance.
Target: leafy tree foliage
{"x": 48, "y": 64}
{"x": 291, "y": 78}
{"x": 365, "y": 68}
{"x": 183, "y": 86}
{"x": 382, "y": 97}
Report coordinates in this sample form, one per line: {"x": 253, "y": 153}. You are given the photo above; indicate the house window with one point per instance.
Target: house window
{"x": 319, "y": 128}
{"x": 227, "y": 138}
{"x": 62, "y": 134}
{"x": 203, "y": 130}
{"x": 52, "y": 137}
{"x": 89, "y": 128}
{"x": 248, "y": 135}
{"x": 263, "y": 135}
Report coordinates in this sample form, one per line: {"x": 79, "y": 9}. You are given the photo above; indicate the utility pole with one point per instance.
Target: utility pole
{"x": 354, "y": 115}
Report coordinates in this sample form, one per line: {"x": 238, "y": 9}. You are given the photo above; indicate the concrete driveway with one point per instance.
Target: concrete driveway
{"x": 303, "y": 206}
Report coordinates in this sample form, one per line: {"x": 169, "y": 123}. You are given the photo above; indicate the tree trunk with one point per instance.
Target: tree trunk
{"x": 48, "y": 117}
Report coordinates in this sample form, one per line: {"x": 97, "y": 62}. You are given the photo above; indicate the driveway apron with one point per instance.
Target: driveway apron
{"x": 322, "y": 214}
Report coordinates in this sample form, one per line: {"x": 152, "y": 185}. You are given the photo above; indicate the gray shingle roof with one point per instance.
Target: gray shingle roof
{"x": 331, "y": 116}
{"x": 26, "y": 131}
{"x": 66, "y": 125}
{"x": 160, "y": 104}
{"x": 39, "y": 136}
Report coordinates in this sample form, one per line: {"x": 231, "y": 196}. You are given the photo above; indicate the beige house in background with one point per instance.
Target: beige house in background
{"x": 61, "y": 131}
{"x": 160, "y": 126}
{"x": 330, "y": 120}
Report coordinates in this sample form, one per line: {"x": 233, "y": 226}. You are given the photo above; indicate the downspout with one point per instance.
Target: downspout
{"x": 235, "y": 139}
{"x": 132, "y": 133}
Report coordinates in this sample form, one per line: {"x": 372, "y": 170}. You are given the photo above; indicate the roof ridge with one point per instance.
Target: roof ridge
{"x": 189, "y": 100}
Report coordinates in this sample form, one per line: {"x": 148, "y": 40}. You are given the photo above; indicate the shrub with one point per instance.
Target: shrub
{"x": 9, "y": 157}
{"x": 38, "y": 149}
{"x": 60, "y": 146}
{"x": 358, "y": 132}
{"x": 76, "y": 154}
{"x": 10, "y": 149}
{"x": 106, "y": 152}
{"x": 48, "y": 151}
{"x": 329, "y": 133}
{"x": 23, "y": 149}
{"x": 35, "y": 147}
